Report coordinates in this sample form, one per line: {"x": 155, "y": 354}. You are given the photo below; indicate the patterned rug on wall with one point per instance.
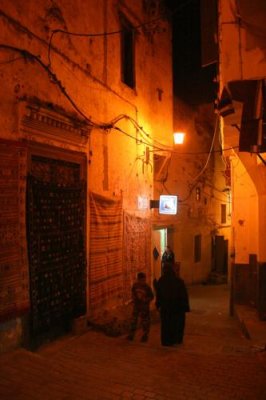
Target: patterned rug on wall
{"x": 14, "y": 276}
{"x": 105, "y": 264}
{"x": 137, "y": 250}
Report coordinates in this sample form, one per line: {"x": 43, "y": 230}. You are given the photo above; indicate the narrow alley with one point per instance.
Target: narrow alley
{"x": 216, "y": 362}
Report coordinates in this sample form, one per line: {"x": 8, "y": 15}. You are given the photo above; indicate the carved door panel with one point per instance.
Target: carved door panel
{"x": 56, "y": 245}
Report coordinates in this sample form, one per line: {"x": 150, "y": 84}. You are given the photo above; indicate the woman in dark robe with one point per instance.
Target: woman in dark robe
{"x": 173, "y": 303}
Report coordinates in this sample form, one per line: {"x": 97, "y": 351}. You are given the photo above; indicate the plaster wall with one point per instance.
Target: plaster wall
{"x": 81, "y": 75}
{"x": 242, "y": 55}
{"x": 242, "y": 39}
{"x": 89, "y": 70}
{"x": 192, "y": 168}
{"x": 245, "y": 213}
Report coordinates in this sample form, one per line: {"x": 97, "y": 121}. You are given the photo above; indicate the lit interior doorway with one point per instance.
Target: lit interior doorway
{"x": 159, "y": 243}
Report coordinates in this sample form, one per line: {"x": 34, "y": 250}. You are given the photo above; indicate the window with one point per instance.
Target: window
{"x": 197, "y": 248}
{"x": 223, "y": 213}
{"x": 127, "y": 53}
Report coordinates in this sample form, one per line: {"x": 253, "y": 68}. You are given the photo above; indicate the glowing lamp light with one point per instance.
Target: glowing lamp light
{"x": 179, "y": 137}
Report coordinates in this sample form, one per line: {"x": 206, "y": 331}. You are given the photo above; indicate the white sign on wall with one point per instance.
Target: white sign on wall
{"x": 168, "y": 204}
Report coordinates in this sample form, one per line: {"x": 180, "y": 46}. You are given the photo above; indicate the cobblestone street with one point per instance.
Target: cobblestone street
{"x": 215, "y": 362}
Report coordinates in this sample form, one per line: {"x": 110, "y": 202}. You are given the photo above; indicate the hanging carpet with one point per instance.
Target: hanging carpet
{"x": 56, "y": 254}
{"x": 14, "y": 277}
{"x": 137, "y": 250}
{"x": 105, "y": 266}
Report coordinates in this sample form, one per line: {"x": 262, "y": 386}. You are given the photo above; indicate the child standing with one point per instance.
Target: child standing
{"x": 142, "y": 295}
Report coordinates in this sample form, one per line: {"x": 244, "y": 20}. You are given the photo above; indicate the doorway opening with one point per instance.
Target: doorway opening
{"x": 159, "y": 243}
{"x": 219, "y": 271}
{"x": 56, "y": 206}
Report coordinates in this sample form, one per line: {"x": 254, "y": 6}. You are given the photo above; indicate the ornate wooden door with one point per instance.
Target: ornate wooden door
{"x": 56, "y": 245}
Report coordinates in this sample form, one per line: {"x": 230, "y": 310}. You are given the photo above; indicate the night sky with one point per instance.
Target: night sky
{"x": 192, "y": 83}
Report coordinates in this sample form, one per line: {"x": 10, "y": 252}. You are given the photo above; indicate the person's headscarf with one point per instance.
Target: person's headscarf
{"x": 168, "y": 269}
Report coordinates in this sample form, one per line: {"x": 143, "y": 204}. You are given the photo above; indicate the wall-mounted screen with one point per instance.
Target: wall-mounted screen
{"x": 168, "y": 204}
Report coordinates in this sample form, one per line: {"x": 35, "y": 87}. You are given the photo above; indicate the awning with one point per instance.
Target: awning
{"x": 243, "y": 104}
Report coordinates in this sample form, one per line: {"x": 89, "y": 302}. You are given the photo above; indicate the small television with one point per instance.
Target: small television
{"x": 168, "y": 204}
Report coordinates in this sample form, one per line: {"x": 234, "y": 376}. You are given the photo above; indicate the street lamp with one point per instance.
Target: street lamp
{"x": 179, "y": 137}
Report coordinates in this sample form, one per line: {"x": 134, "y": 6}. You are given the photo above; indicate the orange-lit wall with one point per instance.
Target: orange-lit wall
{"x": 245, "y": 213}
{"x": 88, "y": 70}
{"x": 242, "y": 55}
{"x": 242, "y": 41}
{"x": 191, "y": 167}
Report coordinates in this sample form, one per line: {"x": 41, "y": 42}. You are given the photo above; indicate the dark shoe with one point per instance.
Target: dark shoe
{"x": 130, "y": 337}
{"x": 144, "y": 338}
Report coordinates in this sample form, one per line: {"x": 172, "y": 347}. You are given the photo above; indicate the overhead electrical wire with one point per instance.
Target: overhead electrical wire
{"x": 25, "y": 54}
{"x": 157, "y": 146}
{"x": 111, "y": 33}
{"x": 105, "y": 126}
{"x": 196, "y": 178}
{"x": 11, "y": 61}
{"x": 151, "y": 142}
{"x": 210, "y": 152}
{"x": 99, "y": 34}
{"x": 146, "y": 138}
{"x": 162, "y": 147}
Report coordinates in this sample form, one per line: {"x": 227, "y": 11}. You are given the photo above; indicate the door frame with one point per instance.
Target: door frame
{"x": 58, "y": 154}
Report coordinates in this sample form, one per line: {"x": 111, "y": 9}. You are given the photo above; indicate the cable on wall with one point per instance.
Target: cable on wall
{"x": 210, "y": 152}
{"x": 148, "y": 141}
{"x": 115, "y": 32}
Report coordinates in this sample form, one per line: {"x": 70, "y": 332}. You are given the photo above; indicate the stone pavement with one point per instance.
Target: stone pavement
{"x": 252, "y": 328}
{"x": 216, "y": 362}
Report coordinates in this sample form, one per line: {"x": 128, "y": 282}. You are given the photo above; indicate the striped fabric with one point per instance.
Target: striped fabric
{"x": 137, "y": 250}
{"x": 105, "y": 265}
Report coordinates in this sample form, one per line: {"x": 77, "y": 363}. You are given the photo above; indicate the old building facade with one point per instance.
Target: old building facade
{"x": 200, "y": 232}
{"x": 86, "y": 149}
{"x": 85, "y": 101}
{"x": 242, "y": 72}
